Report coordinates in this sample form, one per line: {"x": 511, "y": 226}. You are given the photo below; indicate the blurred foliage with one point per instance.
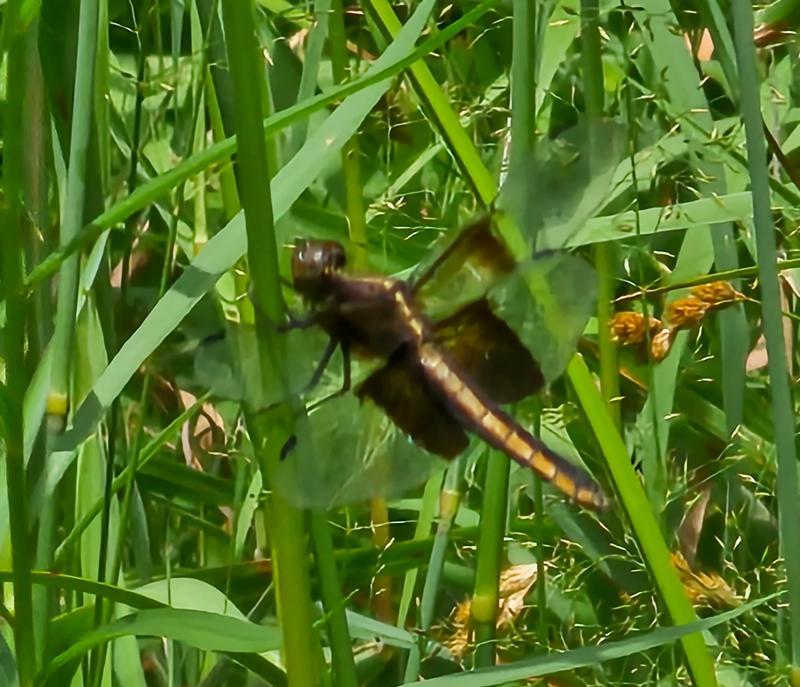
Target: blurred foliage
{"x": 161, "y": 95}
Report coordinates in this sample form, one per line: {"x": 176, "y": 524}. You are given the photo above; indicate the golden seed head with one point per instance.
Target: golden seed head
{"x": 628, "y": 327}
{"x": 705, "y": 589}
{"x": 661, "y": 343}
{"x": 717, "y": 293}
{"x": 686, "y": 312}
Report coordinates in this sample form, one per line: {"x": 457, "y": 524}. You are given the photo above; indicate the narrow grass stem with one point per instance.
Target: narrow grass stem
{"x": 72, "y": 209}
{"x": 605, "y": 254}
{"x": 16, "y": 382}
{"x": 486, "y": 594}
{"x": 779, "y": 381}
{"x": 644, "y": 523}
{"x": 270, "y": 431}
{"x": 449, "y": 500}
{"x": 344, "y": 667}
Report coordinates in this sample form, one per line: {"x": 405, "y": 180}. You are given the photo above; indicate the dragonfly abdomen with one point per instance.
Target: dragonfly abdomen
{"x": 501, "y": 431}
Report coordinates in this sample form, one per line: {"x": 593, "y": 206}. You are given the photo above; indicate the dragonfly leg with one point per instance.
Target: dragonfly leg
{"x": 345, "y": 368}
{"x": 295, "y": 322}
{"x": 322, "y": 365}
{"x": 346, "y": 379}
{"x": 291, "y": 442}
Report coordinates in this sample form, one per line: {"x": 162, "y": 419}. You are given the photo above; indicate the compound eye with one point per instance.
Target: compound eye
{"x": 300, "y": 249}
{"x": 338, "y": 257}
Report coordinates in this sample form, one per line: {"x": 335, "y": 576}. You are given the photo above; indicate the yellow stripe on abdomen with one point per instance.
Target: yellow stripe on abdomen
{"x": 501, "y": 431}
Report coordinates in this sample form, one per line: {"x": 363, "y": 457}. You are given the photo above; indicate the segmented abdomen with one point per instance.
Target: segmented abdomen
{"x": 498, "y": 429}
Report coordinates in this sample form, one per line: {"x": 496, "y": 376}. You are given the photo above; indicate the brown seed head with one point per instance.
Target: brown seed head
{"x": 661, "y": 343}
{"x": 685, "y": 313}
{"x": 628, "y": 327}
{"x": 705, "y": 589}
{"x": 717, "y": 294}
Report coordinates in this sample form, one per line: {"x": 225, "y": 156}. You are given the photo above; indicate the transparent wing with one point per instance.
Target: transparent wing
{"x": 564, "y": 181}
{"x": 547, "y": 301}
{"x": 347, "y": 451}
{"x": 228, "y": 365}
{"x": 462, "y": 271}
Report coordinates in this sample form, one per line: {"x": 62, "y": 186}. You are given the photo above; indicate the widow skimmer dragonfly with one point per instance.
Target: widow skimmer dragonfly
{"x": 441, "y": 378}
{"x": 471, "y": 331}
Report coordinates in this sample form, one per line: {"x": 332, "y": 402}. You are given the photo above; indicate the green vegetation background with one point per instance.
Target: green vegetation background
{"x": 143, "y": 545}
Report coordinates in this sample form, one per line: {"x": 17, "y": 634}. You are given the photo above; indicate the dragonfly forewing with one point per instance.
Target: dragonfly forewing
{"x": 564, "y": 182}
{"x": 548, "y": 302}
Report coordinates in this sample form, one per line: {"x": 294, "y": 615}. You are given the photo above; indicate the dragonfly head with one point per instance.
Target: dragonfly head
{"x": 313, "y": 262}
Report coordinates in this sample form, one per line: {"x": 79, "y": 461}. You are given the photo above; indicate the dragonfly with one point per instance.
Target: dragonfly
{"x": 439, "y": 356}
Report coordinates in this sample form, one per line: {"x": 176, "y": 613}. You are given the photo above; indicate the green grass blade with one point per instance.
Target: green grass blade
{"x": 14, "y": 359}
{"x": 73, "y": 206}
{"x": 644, "y": 522}
{"x": 595, "y": 655}
{"x": 270, "y": 431}
{"x": 384, "y": 69}
{"x": 779, "y": 380}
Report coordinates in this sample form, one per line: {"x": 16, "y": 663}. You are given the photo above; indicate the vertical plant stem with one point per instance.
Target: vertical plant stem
{"x": 145, "y": 396}
{"x": 344, "y": 667}
{"x": 308, "y": 79}
{"x": 486, "y": 595}
{"x": 645, "y": 526}
{"x": 382, "y": 601}
{"x": 12, "y": 249}
{"x": 351, "y": 152}
{"x": 270, "y": 430}
{"x": 449, "y": 500}
{"x": 422, "y": 529}
{"x": 591, "y": 54}
{"x": 523, "y": 122}
{"x": 35, "y": 225}
{"x": 605, "y": 254}
{"x": 341, "y": 648}
{"x": 523, "y": 79}
{"x": 72, "y": 210}
{"x": 780, "y": 385}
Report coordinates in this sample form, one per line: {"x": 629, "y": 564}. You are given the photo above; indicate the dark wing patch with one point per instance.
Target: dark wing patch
{"x": 465, "y": 270}
{"x": 400, "y": 388}
{"x": 486, "y": 349}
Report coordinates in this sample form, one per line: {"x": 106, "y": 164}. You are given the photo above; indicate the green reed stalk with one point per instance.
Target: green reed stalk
{"x": 315, "y": 43}
{"x": 39, "y": 308}
{"x": 486, "y": 594}
{"x": 488, "y": 566}
{"x": 72, "y": 209}
{"x": 11, "y": 421}
{"x": 645, "y": 525}
{"x": 135, "y": 449}
{"x": 780, "y": 383}
{"x": 344, "y": 666}
{"x": 290, "y": 564}
{"x": 605, "y": 254}
{"x": 449, "y": 501}
{"x": 382, "y": 600}
{"x": 351, "y": 152}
